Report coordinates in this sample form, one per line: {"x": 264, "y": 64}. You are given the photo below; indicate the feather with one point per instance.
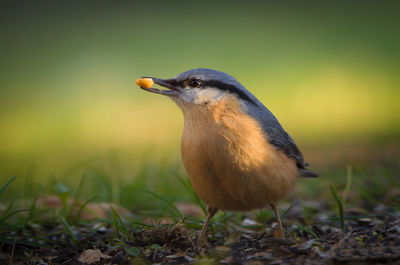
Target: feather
{"x": 305, "y": 173}
{"x": 277, "y": 136}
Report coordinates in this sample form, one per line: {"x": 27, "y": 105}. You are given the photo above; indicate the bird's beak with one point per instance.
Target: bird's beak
{"x": 167, "y": 83}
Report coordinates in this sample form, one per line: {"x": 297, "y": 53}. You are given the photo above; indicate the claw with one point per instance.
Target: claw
{"x": 279, "y": 233}
{"x": 202, "y": 242}
{"x": 279, "y": 230}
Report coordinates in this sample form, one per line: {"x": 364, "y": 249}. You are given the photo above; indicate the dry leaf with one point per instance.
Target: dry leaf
{"x": 90, "y": 256}
{"x": 177, "y": 255}
{"x": 159, "y": 221}
{"x": 91, "y": 211}
{"x": 189, "y": 209}
{"x": 221, "y": 251}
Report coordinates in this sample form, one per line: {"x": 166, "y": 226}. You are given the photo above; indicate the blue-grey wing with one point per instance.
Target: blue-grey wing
{"x": 278, "y": 137}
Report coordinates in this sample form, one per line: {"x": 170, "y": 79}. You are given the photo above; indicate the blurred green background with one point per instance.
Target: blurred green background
{"x": 68, "y": 99}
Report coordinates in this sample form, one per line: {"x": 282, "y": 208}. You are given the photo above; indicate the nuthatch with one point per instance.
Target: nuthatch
{"x": 236, "y": 153}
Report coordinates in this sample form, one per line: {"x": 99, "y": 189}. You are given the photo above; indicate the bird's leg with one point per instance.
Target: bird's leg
{"x": 202, "y": 241}
{"x": 279, "y": 231}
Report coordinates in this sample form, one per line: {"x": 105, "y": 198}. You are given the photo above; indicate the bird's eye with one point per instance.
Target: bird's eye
{"x": 195, "y": 83}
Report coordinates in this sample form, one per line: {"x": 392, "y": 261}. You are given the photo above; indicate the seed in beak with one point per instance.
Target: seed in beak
{"x": 144, "y": 82}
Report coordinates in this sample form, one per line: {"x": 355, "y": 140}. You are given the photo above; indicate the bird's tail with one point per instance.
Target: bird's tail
{"x": 305, "y": 173}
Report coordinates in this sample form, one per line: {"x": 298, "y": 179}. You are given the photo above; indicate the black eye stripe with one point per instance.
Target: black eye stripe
{"x": 230, "y": 88}
{"x": 217, "y": 84}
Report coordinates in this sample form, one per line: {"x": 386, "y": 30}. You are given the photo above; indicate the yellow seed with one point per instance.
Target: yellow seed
{"x": 144, "y": 82}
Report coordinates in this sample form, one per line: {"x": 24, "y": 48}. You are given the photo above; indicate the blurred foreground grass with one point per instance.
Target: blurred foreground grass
{"x": 105, "y": 180}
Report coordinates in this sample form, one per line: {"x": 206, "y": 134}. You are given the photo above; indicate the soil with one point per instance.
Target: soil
{"x": 373, "y": 240}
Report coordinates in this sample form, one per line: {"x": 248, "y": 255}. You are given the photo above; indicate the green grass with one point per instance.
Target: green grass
{"x": 147, "y": 199}
{"x": 339, "y": 202}
{"x": 153, "y": 191}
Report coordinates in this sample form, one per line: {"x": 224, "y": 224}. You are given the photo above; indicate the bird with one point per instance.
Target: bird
{"x": 236, "y": 153}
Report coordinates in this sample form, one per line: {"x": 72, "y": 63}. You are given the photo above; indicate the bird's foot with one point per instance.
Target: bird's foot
{"x": 279, "y": 233}
{"x": 202, "y": 242}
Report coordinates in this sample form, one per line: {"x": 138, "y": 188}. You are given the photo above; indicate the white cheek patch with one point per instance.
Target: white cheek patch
{"x": 188, "y": 96}
{"x": 201, "y": 95}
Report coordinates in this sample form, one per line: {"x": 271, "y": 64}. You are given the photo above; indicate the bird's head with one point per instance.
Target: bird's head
{"x": 201, "y": 87}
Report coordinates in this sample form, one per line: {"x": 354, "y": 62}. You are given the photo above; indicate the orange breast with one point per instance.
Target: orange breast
{"x": 229, "y": 161}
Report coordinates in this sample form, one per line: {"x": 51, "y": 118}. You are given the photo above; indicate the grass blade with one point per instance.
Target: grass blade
{"x": 83, "y": 205}
{"x": 119, "y": 225}
{"x": 174, "y": 210}
{"x": 306, "y": 221}
{"x": 7, "y": 213}
{"x": 6, "y": 185}
{"x": 31, "y": 210}
{"x": 287, "y": 211}
{"x": 349, "y": 176}
{"x": 6, "y": 216}
{"x": 75, "y": 201}
{"x": 340, "y": 206}
{"x": 188, "y": 185}
{"x": 68, "y": 228}
{"x": 308, "y": 230}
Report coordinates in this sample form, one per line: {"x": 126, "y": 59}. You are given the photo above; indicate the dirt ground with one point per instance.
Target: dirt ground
{"x": 374, "y": 240}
